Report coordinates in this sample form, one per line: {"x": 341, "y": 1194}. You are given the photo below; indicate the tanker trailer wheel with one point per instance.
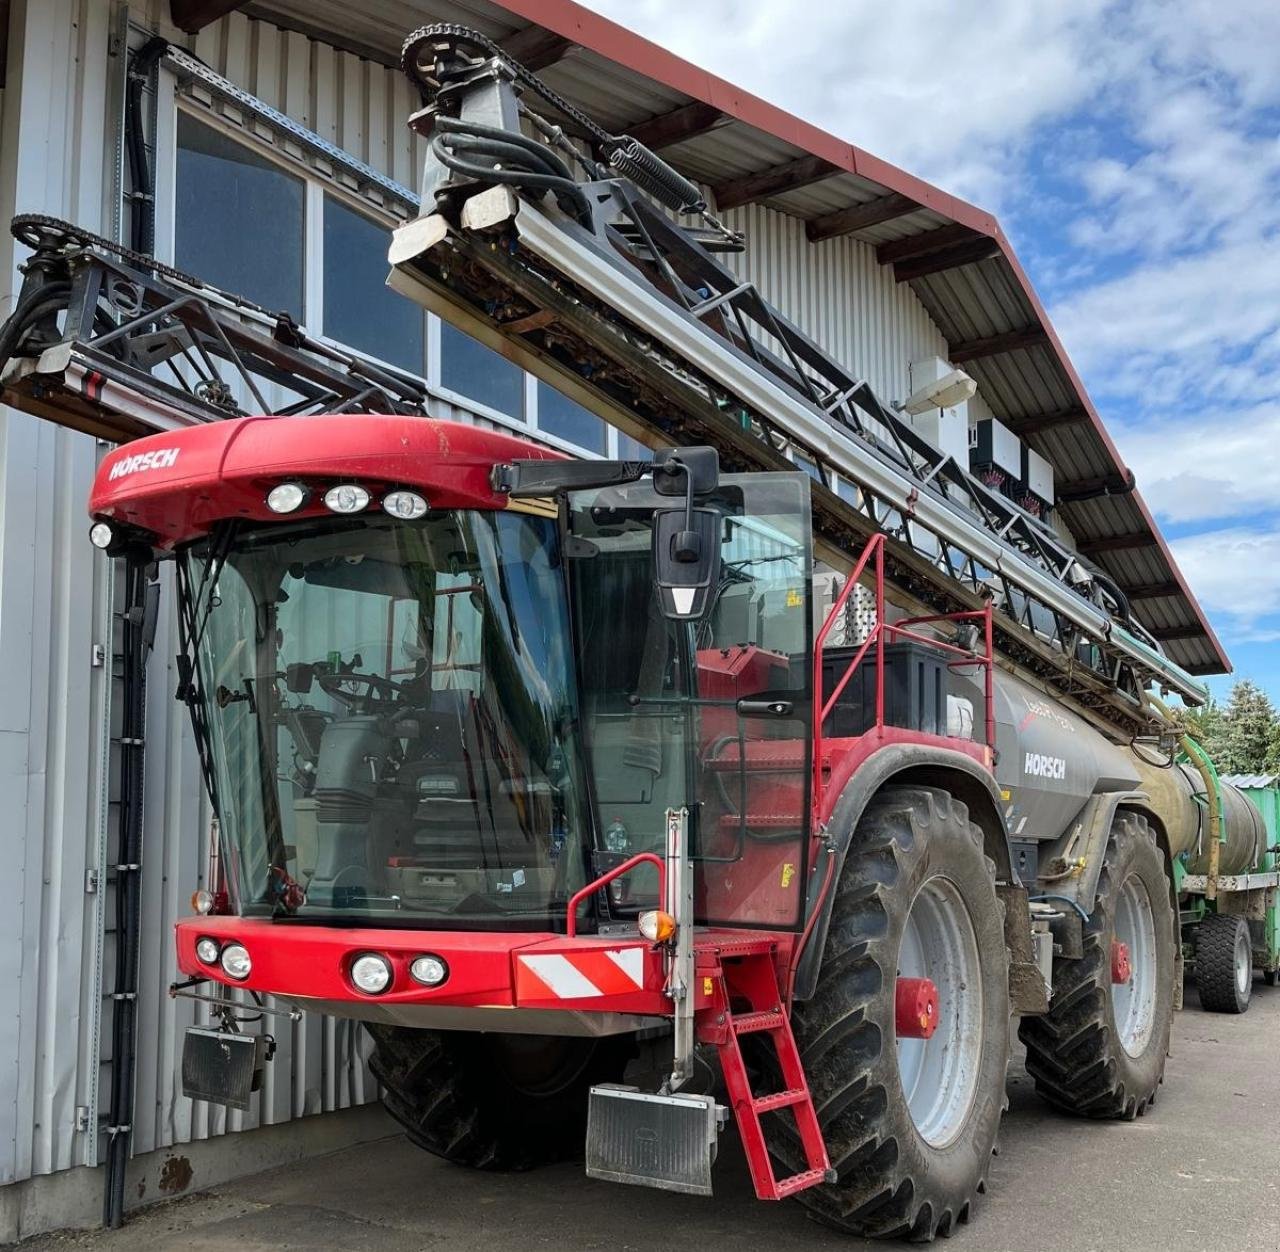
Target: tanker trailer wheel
{"x": 1100, "y": 1050}
{"x": 1224, "y": 963}
{"x": 910, "y": 1123}
{"x": 493, "y": 1101}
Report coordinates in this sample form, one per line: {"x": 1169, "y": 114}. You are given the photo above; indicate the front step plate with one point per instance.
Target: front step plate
{"x": 663, "y": 1141}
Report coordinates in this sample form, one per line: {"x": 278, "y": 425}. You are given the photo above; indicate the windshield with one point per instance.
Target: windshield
{"x": 392, "y": 718}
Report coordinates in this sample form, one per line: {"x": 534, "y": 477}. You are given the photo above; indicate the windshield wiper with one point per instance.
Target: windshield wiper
{"x": 195, "y": 607}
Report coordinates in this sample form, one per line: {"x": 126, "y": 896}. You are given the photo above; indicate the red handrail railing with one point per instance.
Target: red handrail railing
{"x": 640, "y": 858}
{"x": 900, "y": 630}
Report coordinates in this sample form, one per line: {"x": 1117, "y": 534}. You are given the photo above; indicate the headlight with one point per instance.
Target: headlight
{"x": 287, "y": 497}
{"x": 235, "y": 961}
{"x": 101, "y": 535}
{"x": 371, "y": 973}
{"x": 348, "y": 498}
{"x": 202, "y": 901}
{"x": 431, "y": 971}
{"x": 406, "y": 505}
{"x": 207, "y": 950}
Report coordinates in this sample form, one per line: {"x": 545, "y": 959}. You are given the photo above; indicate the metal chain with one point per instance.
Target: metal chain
{"x": 73, "y": 234}
{"x": 456, "y": 34}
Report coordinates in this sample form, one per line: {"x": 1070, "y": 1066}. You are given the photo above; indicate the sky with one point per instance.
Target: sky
{"x": 1131, "y": 149}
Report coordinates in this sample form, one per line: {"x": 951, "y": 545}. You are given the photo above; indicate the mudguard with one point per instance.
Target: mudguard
{"x": 903, "y": 763}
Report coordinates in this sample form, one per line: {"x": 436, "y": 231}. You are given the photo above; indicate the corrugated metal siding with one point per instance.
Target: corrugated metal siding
{"x": 53, "y": 596}
{"x": 842, "y": 297}
{"x": 51, "y": 605}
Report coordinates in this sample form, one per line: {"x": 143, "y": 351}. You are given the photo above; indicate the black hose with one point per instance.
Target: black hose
{"x": 569, "y": 195}
{"x": 513, "y": 154}
{"x": 28, "y": 311}
{"x": 141, "y": 63}
{"x": 453, "y": 126}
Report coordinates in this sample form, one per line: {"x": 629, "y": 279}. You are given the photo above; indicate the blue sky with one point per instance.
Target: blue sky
{"x": 1131, "y": 149}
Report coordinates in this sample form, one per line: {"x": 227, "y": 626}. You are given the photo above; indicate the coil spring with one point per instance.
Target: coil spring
{"x": 652, "y": 174}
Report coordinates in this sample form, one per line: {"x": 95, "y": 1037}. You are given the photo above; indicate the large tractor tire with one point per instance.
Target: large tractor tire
{"x": 1100, "y": 1050}
{"x": 493, "y": 1101}
{"x": 1224, "y": 963}
{"x": 910, "y": 1124}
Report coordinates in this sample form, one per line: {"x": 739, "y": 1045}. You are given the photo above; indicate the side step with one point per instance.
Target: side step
{"x": 663, "y": 1141}
{"x": 751, "y": 978}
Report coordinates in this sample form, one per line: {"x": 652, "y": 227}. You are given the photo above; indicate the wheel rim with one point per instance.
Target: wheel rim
{"x": 939, "y": 1075}
{"x": 1133, "y": 1003}
{"x": 1244, "y": 962}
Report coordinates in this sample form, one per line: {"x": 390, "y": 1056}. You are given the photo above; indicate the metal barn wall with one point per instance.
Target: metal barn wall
{"x": 53, "y": 158}
{"x": 58, "y": 124}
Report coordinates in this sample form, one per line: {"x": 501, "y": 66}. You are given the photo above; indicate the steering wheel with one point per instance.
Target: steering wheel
{"x": 372, "y": 684}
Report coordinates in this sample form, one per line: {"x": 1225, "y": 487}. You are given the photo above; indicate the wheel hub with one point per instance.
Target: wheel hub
{"x": 916, "y": 1008}
{"x": 1134, "y": 972}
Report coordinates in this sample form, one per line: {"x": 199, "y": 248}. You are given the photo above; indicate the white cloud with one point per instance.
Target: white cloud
{"x": 932, "y": 85}
{"x": 1211, "y": 466}
{"x": 1236, "y": 572}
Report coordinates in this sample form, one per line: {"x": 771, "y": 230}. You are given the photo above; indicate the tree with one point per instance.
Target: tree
{"x": 1204, "y": 724}
{"x": 1248, "y": 738}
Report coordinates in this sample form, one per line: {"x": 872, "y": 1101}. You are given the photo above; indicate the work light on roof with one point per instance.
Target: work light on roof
{"x": 287, "y": 497}
{"x": 406, "y": 505}
{"x": 346, "y": 498}
{"x": 101, "y": 535}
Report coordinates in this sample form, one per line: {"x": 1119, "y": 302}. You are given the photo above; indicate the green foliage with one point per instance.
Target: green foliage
{"x": 1241, "y": 738}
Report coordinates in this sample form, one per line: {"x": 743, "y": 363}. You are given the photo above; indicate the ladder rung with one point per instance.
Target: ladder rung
{"x": 779, "y": 1100}
{"x": 799, "y": 1182}
{"x": 747, "y": 1023}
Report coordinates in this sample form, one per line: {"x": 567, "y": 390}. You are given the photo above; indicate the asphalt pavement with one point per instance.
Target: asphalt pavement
{"x": 1200, "y": 1171}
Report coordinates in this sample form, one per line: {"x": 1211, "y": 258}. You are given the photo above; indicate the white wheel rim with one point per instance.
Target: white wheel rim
{"x": 939, "y": 1075}
{"x": 1244, "y": 961}
{"x": 1133, "y": 1003}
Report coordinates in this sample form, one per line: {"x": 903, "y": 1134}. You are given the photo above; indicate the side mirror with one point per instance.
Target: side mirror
{"x": 686, "y": 560}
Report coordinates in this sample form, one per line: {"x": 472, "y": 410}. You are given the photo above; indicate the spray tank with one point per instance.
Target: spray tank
{"x": 1051, "y": 762}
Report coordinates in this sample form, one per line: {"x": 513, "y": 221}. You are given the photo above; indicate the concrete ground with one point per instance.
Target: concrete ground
{"x": 1201, "y": 1170}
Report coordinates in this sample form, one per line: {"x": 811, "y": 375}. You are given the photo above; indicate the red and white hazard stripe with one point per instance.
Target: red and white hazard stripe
{"x": 579, "y": 975}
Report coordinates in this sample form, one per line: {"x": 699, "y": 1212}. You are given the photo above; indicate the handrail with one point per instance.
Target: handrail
{"x": 823, "y": 705}
{"x": 874, "y": 547}
{"x": 650, "y": 858}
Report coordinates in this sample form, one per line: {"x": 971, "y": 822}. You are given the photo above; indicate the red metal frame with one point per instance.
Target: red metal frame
{"x": 822, "y": 707}
{"x": 640, "y": 858}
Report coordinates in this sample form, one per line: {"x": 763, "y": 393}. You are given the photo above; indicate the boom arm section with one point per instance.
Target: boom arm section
{"x": 639, "y": 318}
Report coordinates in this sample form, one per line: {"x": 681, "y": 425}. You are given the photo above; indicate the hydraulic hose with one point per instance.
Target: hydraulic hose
{"x": 529, "y": 164}
{"x": 1199, "y": 758}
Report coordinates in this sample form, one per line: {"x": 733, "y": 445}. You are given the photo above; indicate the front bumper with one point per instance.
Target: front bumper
{"x": 310, "y": 966}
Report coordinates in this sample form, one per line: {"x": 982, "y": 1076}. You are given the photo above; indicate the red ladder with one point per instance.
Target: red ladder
{"x": 746, "y": 973}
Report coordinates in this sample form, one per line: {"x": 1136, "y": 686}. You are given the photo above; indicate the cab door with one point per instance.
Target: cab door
{"x": 714, "y": 715}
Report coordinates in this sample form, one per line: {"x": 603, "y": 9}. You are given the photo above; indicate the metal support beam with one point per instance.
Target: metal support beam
{"x": 771, "y": 182}
{"x": 1117, "y": 543}
{"x": 687, "y": 122}
{"x": 1092, "y": 488}
{"x": 993, "y": 345}
{"x": 1034, "y": 423}
{"x": 980, "y": 249}
{"x": 1168, "y": 634}
{"x": 1152, "y": 591}
{"x": 859, "y": 217}
{"x": 537, "y": 48}
{"x": 193, "y": 16}
{"x": 926, "y": 241}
